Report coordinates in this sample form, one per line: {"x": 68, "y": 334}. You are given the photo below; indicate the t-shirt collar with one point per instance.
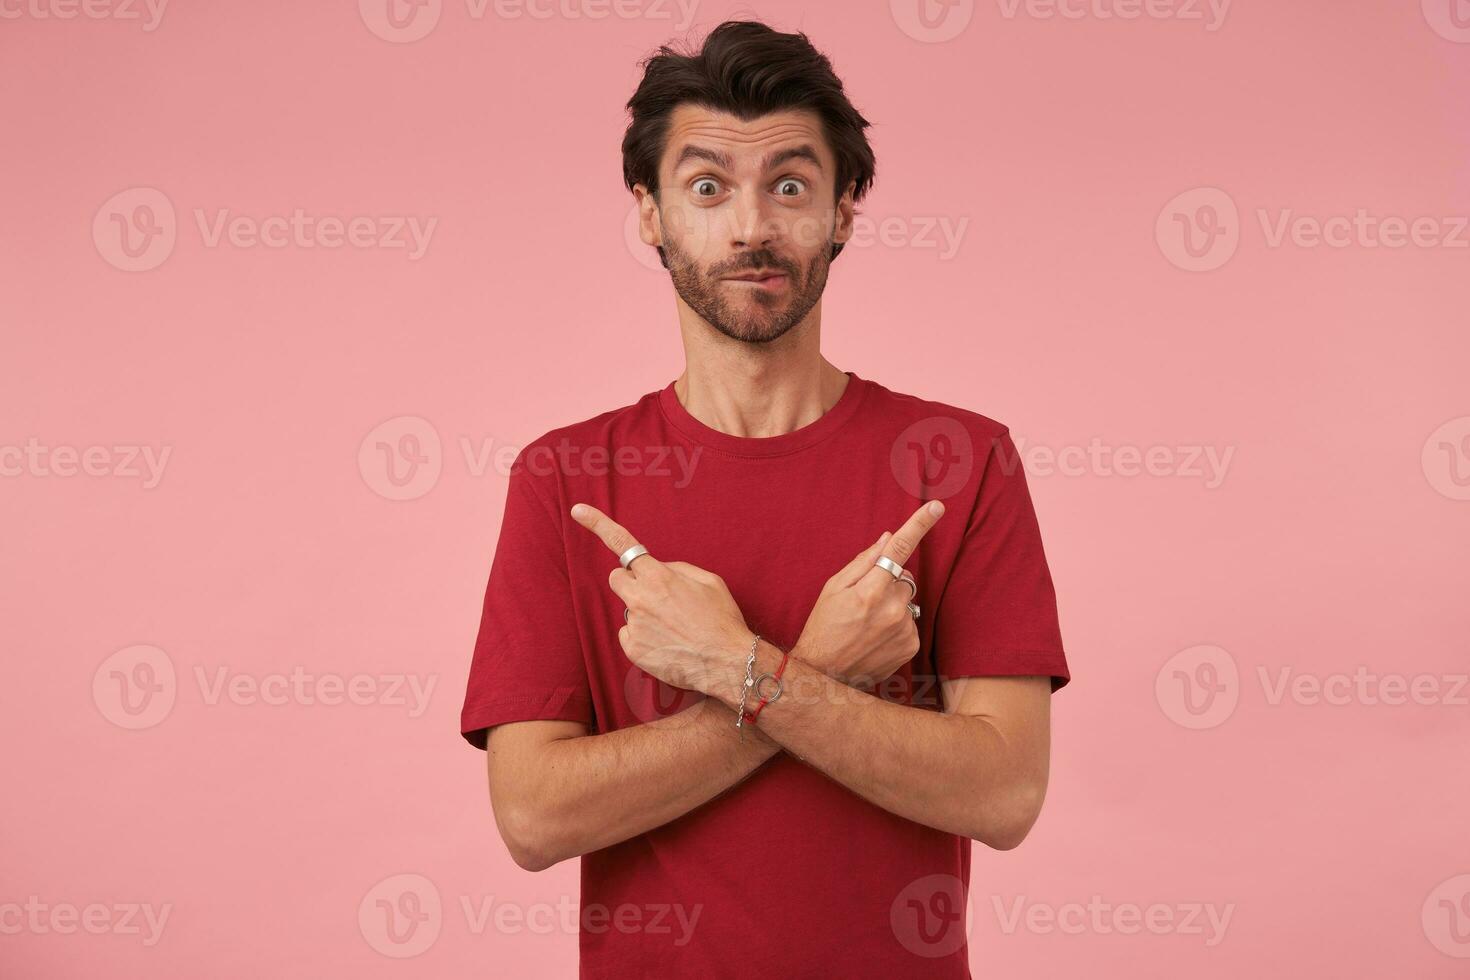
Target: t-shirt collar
{"x": 788, "y": 442}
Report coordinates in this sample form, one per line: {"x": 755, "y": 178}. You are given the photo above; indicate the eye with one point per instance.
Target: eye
{"x": 790, "y": 182}
{"x": 706, "y": 182}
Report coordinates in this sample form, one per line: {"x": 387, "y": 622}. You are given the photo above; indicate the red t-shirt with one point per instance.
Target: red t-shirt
{"x": 789, "y": 873}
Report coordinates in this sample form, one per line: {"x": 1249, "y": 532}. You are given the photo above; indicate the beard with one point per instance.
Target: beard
{"x": 762, "y": 318}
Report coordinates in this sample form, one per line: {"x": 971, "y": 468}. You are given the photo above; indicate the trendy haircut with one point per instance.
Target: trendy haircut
{"x": 747, "y": 69}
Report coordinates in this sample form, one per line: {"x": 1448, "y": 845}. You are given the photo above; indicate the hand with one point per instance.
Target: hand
{"x": 683, "y": 626}
{"x": 860, "y": 631}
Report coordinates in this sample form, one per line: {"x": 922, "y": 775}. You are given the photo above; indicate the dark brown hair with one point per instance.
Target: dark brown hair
{"x": 747, "y": 69}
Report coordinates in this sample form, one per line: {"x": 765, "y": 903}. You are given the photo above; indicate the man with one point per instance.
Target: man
{"x": 769, "y": 647}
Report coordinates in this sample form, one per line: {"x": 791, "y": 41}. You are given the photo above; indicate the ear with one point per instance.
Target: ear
{"x": 843, "y": 225}
{"x": 649, "y": 229}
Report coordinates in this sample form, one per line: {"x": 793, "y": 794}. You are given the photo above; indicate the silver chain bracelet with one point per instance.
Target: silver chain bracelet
{"x": 749, "y": 683}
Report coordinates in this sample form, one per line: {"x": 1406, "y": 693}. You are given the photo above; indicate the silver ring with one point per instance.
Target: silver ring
{"x": 913, "y": 610}
{"x": 625, "y": 614}
{"x": 626, "y": 558}
{"x": 908, "y": 580}
{"x": 889, "y": 565}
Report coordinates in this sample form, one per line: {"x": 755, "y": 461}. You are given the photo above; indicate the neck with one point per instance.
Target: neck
{"x": 758, "y": 390}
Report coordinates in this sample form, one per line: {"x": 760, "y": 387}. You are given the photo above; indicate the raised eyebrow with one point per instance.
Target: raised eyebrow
{"x": 802, "y": 152}
{"x": 718, "y": 157}
{"x": 722, "y": 159}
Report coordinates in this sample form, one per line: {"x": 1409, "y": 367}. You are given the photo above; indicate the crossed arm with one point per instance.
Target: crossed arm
{"x": 978, "y": 769}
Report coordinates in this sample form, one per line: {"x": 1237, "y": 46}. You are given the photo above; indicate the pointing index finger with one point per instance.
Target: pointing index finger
{"x": 901, "y": 546}
{"x": 609, "y": 531}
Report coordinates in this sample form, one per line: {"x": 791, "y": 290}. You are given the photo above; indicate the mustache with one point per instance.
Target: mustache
{"x": 755, "y": 262}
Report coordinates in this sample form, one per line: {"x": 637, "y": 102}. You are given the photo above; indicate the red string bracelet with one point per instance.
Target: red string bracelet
{"x": 750, "y": 716}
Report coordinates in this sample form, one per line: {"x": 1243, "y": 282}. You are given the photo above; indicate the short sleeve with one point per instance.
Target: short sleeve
{"x": 997, "y": 614}
{"x": 527, "y": 662}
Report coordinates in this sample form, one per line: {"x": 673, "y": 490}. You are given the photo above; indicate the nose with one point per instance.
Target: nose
{"x": 752, "y": 222}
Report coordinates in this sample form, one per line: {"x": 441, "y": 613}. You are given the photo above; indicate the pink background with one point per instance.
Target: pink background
{"x": 1334, "y": 540}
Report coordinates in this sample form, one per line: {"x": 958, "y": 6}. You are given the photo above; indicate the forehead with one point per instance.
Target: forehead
{"x": 747, "y": 142}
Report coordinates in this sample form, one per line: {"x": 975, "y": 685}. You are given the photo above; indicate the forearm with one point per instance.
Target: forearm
{"x": 594, "y": 791}
{"x": 949, "y": 771}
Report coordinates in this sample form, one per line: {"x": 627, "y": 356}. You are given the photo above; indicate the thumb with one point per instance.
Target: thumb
{"x": 858, "y": 567}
